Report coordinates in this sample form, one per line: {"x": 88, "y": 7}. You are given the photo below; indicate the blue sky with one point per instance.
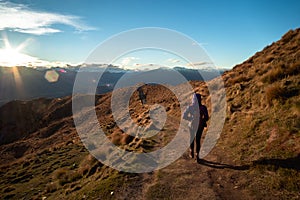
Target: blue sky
{"x": 67, "y": 31}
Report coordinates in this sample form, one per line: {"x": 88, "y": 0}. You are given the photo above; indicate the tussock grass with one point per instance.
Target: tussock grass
{"x": 273, "y": 75}
{"x": 239, "y": 79}
{"x": 278, "y": 179}
{"x": 64, "y": 176}
{"x": 281, "y": 71}
{"x": 269, "y": 59}
{"x": 294, "y": 68}
{"x": 275, "y": 92}
{"x": 278, "y": 92}
{"x": 52, "y": 187}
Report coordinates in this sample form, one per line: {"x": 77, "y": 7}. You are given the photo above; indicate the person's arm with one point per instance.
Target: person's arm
{"x": 205, "y": 113}
{"x": 187, "y": 112}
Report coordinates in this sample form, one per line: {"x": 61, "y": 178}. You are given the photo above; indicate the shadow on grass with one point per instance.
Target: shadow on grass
{"x": 222, "y": 166}
{"x": 289, "y": 163}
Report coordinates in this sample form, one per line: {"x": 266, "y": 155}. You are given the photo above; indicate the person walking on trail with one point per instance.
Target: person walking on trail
{"x": 142, "y": 96}
{"x": 197, "y": 114}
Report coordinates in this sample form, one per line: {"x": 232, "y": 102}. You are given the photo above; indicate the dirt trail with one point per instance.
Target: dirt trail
{"x": 213, "y": 178}
{"x": 187, "y": 179}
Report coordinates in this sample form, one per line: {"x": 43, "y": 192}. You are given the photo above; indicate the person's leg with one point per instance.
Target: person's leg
{"x": 192, "y": 149}
{"x": 198, "y": 140}
{"x": 144, "y": 100}
{"x": 192, "y": 139}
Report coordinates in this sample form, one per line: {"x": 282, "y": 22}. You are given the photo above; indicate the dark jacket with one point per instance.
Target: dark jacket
{"x": 197, "y": 115}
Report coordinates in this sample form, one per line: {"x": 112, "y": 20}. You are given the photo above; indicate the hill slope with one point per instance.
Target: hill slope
{"x": 257, "y": 156}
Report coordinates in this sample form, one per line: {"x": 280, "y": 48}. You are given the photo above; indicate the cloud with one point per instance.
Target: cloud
{"x": 127, "y": 60}
{"x": 20, "y": 18}
{"x": 144, "y": 64}
{"x": 199, "y": 64}
{"x": 173, "y": 60}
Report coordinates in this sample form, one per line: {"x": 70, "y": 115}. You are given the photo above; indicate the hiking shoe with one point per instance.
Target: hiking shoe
{"x": 199, "y": 160}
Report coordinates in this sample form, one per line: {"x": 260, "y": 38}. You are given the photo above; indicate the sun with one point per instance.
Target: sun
{"x": 10, "y": 57}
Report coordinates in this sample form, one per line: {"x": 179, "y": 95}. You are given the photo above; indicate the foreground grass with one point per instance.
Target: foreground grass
{"x": 66, "y": 173}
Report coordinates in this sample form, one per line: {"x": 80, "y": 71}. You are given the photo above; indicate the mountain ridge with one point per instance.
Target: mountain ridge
{"x": 27, "y": 83}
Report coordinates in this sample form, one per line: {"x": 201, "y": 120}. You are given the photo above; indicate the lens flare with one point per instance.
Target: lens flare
{"x": 10, "y": 57}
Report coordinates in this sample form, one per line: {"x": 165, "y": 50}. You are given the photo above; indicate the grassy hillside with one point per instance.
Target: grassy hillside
{"x": 263, "y": 119}
{"x": 256, "y": 157}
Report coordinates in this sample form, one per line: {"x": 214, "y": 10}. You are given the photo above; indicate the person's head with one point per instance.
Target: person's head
{"x": 196, "y": 97}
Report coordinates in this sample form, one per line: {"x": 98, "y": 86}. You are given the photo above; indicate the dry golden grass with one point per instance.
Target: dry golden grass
{"x": 294, "y": 68}
{"x": 239, "y": 79}
{"x": 65, "y": 175}
{"x": 268, "y": 59}
{"x": 275, "y": 92}
{"x": 281, "y": 71}
{"x": 273, "y": 75}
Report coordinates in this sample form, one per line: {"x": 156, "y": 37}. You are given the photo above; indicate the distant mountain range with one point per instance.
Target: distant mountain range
{"x": 25, "y": 83}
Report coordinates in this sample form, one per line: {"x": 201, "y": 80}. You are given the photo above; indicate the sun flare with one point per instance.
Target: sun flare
{"x": 11, "y": 57}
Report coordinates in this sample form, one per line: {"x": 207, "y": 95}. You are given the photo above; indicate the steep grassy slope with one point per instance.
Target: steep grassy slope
{"x": 263, "y": 102}
{"x": 256, "y": 157}
{"x": 263, "y": 118}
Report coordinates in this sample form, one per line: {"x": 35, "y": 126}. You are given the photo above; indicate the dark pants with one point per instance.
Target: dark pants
{"x": 197, "y": 138}
{"x": 142, "y": 98}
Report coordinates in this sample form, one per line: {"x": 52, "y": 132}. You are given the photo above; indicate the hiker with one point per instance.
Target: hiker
{"x": 142, "y": 96}
{"x": 198, "y": 118}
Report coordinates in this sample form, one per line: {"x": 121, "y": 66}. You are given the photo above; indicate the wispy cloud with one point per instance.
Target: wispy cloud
{"x": 144, "y": 64}
{"x": 199, "y": 64}
{"x": 20, "y": 18}
{"x": 173, "y": 60}
{"x": 126, "y": 61}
